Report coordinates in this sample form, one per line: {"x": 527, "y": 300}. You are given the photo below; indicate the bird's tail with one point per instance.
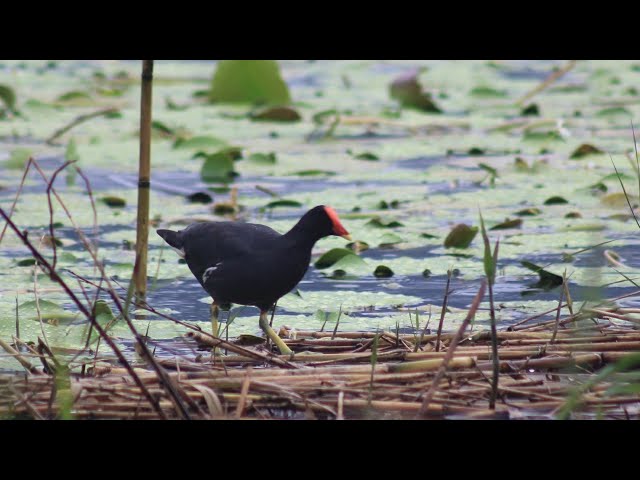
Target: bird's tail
{"x": 172, "y": 238}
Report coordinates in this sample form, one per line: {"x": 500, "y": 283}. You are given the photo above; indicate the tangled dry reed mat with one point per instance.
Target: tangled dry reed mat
{"x": 549, "y": 369}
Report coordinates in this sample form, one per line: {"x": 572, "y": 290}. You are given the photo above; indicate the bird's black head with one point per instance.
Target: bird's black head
{"x": 320, "y": 222}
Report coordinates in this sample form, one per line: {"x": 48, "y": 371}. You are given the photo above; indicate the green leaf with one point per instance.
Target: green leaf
{"x": 218, "y": 168}
{"x": 529, "y": 212}
{"x": 488, "y": 92}
{"x": 8, "y": 97}
{"x": 488, "y": 260}
{"x": 389, "y": 239}
{"x": 113, "y": 201}
{"x": 617, "y": 199}
{"x": 585, "y": 150}
{"x": 547, "y": 280}
{"x": 386, "y": 223}
{"x": 357, "y": 246}
{"x": 50, "y": 312}
{"x": 515, "y": 223}
{"x": 263, "y": 158}
{"x": 367, "y": 156}
{"x": 200, "y": 197}
{"x": 249, "y": 81}
{"x": 199, "y": 142}
{"x": 408, "y": 91}
{"x": 71, "y": 153}
{"x": 383, "y": 271}
{"x": 75, "y": 98}
{"x": 276, "y": 114}
{"x": 614, "y": 112}
{"x": 27, "y": 262}
{"x": 613, "y": 177}
{"x": 320, "y": 117}
{"x": 489, "y": 169}
{"x": 282, "y": 203}
{"x": 19, "y": 158}
{"x": 313, "y": 173}
{"x": 161, "y": 129}
{"x": 338, "y": 254}
{"x": 460, "y": 236}
{"x": 556, "y": 200}
{"x": 530, "y": 110}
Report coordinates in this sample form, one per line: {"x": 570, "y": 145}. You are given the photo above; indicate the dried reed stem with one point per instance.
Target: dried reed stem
{"x": 144, "y": 179}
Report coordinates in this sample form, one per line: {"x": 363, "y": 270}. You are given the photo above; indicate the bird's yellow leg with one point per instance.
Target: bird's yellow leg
{"x": 215, "y": 311}
{"x": 215, "y": 326}
{"x": 264, "y": 325}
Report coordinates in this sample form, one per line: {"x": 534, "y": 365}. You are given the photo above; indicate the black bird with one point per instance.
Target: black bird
{"x": 251, "y": 264}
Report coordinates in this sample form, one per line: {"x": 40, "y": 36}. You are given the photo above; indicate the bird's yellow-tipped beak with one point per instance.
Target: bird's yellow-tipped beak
{"x": 346, "y": 237}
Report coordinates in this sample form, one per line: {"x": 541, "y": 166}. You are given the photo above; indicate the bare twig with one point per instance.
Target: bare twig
{"x": 77, "y": 121}
{"x": 444, "y": 309}
{"x": 548, "y": 81}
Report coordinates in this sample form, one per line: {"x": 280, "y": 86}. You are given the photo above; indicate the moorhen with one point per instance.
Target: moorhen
{"x": 251, "y": 264}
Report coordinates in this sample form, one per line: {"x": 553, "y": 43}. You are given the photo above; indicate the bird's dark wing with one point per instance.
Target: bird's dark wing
{"x": 209, "y": 243}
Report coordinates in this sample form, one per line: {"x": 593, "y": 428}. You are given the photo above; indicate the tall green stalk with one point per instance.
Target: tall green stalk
{"x": 490, "y": 264}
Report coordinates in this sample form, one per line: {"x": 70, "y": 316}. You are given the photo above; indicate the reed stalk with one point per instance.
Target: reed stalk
{"x": 144, "y": 179}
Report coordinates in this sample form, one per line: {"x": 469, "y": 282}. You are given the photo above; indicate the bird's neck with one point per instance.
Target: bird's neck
{"x": 302, "y": 236}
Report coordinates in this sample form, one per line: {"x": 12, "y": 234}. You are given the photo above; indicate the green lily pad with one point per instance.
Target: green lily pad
{"x": 276, "y": 114}
{"x": 199, "y": 143}
{"x": 18, "y": 158}
{"x": 27, "y": 262}
{"x": 547, "y": 280}
{"x": 618, "y": 199}
{"x": 249, "y": 81}
{"x": 314, "y": 173}
{"x": 585, "y": 150}
{"x": 8, "y": 97}
{"x": 408, "y": 91}
{"x": 460, "y": 236}
{"x": 263, "y": 158}
{"x": 528, "y": 212}
{"x": 357, "y": 246}
{"x": 367, "y": 156}
{"x": 384, "y": 223}
{"x": 114, "y": 202}
{"x": 161, "y": 129}
{"x": 200, "y": 197}
{"x": 50, "y": 312}
{"x": 76, "y": 98}
{"x": 515, "y": 223}
{"x": 555, "y": 200}
{"x": 218, "y": 168}
{"x": 334, "y": 255}
{"x": 383, "y": 271}
{"x": 614, "y": 112}
{"x": 488, "y": 92}
{"x": 389, "y": 239}
{"x": 283, "y": 203}
{"x": 530, "y": 110}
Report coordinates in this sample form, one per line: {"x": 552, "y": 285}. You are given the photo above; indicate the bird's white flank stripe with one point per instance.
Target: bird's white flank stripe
{"x": 179, "y": 251}
{"x": 207, "y": 273}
